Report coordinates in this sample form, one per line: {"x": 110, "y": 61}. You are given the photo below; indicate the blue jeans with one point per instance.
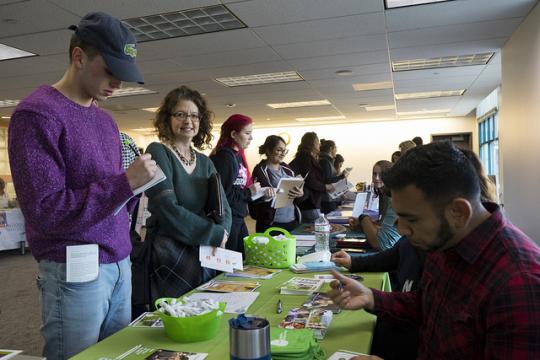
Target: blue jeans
{"x": 77, "y": 315}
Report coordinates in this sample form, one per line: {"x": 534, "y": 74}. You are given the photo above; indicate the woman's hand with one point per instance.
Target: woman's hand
{"x": 296, "y": 192}
{"x": 330, "y": 188}
{"x": 269, "y": 193}
{"x": 254, "y": 188}
{"x": 341, "y": 258}
{"x": 345, "y": 173}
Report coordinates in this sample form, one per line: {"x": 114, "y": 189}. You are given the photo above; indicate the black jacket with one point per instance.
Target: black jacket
{"x": 227, "y": 163}
{"x": 329, "y": 172}
{"x": 262, "y": 211}
{"x": 314, "y": 187}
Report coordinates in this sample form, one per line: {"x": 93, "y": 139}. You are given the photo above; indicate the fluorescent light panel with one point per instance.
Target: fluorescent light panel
{"x": 153, "y": 109}
{"x": 379, "y": 107}
{"x": 423, "y": 112}
{"x": 373, "y": 86}
{"x": 6, "y": 117}
{"x": 145, "y": 130}
{"x": 258, "y": 79}
{"x": 183, "y": 23}
{"x": 9, "y": 103}
{"x": 392, "y": 4}
{"x": 8, "y": 52}
{"x": 131, "y": 91}
{"x": 429, "y": 94}
{"x": 320, "y": 118}
{"x": 299, "y": 104}
{"x": 442, "y": 62}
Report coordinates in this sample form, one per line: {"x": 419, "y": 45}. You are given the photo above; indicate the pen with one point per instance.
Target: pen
{"x": 279, "y": 307}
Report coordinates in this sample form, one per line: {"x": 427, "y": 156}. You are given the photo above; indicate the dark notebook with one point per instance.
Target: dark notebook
{"x": 214, "y": 202}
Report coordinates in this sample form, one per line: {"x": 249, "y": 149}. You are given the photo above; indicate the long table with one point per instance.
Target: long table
{"x": 351, "y": 330}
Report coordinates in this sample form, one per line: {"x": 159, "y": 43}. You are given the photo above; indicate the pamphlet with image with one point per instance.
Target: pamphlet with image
{"x": 8, "y": 354}
{"x": 147, "y": 320}
{"x": 301, "y": 286}
{"x": 253, "y": 272}
{"x": 319, "y": 300}
{"x": 317, "y": 320}
{"x": 145, "y": 352}
{"x": 229, "y": 286}
{"x": 340, "y": 188}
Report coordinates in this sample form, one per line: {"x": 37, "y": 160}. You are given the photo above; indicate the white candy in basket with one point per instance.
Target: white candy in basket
{"x": 188, "y": 307}
{"x": 263, "y": 240}
{"x": 280, "y": 237}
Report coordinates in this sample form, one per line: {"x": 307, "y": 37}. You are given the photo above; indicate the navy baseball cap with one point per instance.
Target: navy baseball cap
{"x": 114, "y": 41}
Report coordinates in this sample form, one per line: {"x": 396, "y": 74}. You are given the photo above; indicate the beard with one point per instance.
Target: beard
{"x": 444, "y": 235}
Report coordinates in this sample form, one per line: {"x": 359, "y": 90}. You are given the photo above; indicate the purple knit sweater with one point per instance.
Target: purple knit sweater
{"x": 67, "y": 170}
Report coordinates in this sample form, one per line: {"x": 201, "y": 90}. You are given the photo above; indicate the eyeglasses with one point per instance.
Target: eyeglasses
{"x": 183, "y": 116}
{"x": 282, "y": 151}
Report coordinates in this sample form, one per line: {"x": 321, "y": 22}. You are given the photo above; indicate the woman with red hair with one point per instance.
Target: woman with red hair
{"x": 230, "y": 162}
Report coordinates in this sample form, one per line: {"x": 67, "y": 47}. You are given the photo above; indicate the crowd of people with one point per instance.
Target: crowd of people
{"x": 466, "y": 281}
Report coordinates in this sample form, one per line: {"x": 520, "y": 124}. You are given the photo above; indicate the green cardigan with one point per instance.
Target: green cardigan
{"x": 177, "y": 204}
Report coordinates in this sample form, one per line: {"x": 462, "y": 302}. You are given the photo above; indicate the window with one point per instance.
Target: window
{"x": 488, "y": 132}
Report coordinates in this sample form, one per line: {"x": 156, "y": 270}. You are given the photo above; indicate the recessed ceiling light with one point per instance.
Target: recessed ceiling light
{"x": 151, "y": 109}
{"x": 183, "y": 23}
{"x": 131, "y": 91}
{"x": 373, "y": 86}
{"x": 258, "y": 79}
{"x": 343, "y": 72}
{"x": 320, "y": 118}
{"x": 9, "y": 103}
{"x": 299, "y": 104}
{"x": 429, "y": 94}
{"x": 380, "y": 107}
{"x": 8, "y": 52}
{"x": 442, "y": 62}
{"x": 231, "y": 105}
{"x": 423, "y": 112}
{"x": 392, "y": 4}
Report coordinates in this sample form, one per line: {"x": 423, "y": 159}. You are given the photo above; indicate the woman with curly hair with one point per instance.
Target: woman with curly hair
{"x": 178, "y": 224}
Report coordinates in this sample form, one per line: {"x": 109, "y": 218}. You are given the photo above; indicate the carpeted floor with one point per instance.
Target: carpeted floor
{"x": 20, "y": 315}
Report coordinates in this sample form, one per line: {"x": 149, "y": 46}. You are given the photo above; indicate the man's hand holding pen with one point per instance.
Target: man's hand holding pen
{"x": 141, "y": 171}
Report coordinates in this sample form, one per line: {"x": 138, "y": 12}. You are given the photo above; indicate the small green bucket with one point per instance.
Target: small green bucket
{"x": 193, "y": 328}
{"x": 275, "y": 254}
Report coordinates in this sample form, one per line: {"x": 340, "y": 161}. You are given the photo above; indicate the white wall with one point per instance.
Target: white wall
{"x": 361, "y": 144}
{"x": 520, "y": 126}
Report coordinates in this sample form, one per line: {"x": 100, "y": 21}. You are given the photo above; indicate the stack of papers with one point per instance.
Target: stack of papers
{"x": 301, "y": 286}
{"x": 237, "y": 302}
{"x": 318, "y": 320}
{"x": 229, "y": 286}
{"x": 254, "y": 272}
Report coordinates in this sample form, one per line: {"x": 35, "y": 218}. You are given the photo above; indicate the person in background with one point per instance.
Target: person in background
{"x": 268, "y": 172}
{"x": 328, "y": 151}
{"x": 67, "y": 170}
{"x": 479, "y": 295}
{"x": 306, "y": 163}
{"x": 230, "y": 161}
{"x": 487, "y": 187}
{"x": 418, "y": 141}
{"x": 395, "y": 156}
{"x": 406, "y": 145}
{"x": 381, "y": 234}
{"x": 178, "y": 225}
{"x": 4, "y": 199}
{"x": 339, "y": 160}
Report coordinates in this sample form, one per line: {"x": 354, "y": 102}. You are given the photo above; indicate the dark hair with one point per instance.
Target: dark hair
{"x": 89, "y": 50}
{"x": 338, "y": 159}
{"x": 270, "y": 144}
{"x": 307, "y": 141}
{"x": 395, "y": 153}
{"x": 162, "y": 122}
{"x": 418, "y": 140}
{"x": 327, "y": 145}
{"x": 440, "y": 170}
{"x": 487, "y": 187}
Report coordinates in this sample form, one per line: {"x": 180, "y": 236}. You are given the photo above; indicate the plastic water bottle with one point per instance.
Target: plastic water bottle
{"x": 322, "y": 237}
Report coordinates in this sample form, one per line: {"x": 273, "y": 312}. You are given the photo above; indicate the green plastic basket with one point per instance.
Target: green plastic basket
{"x": 276, "y": 254}
{"x": 193, "y": 328}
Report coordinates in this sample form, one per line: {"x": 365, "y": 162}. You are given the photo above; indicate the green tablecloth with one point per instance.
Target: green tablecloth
{"x": 351, "y": 330}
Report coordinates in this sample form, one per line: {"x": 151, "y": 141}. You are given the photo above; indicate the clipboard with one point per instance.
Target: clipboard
{"x": 281, "y": 199}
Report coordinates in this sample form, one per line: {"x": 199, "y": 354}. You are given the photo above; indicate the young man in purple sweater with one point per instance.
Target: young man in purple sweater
{"x": 67, "y": 170}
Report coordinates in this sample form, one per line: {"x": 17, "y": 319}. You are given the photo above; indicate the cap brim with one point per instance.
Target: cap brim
{"x": 123, "y": 69}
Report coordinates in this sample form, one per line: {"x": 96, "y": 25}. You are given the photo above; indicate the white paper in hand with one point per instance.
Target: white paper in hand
{"x": 159, "y": 176}
{"x": 223, "y": 260}
{"x": 359, "y": 204}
